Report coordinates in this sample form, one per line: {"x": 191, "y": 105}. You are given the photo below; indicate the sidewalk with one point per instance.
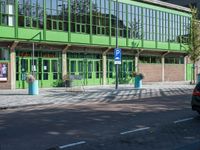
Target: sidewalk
{"x": 90, "y": 94}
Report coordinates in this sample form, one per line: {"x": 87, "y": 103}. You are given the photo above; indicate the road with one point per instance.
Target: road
{"x": 155, "y": 123}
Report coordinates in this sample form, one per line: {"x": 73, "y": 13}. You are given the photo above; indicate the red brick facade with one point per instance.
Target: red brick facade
{"x": 175, "y": 72}
{"x": 152, "y": 72}
{"x": 6, "y": 84}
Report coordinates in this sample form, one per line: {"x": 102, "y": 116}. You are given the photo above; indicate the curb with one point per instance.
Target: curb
{"x": 24, "y": 106}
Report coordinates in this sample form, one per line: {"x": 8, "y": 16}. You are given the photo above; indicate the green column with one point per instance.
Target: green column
{"x": 110, "y": 24}
{"x": 16, "y": 19}
{"x": 69, "y": 21}
{"x": 91, "y": 22}
{"x": 44, "y": 20}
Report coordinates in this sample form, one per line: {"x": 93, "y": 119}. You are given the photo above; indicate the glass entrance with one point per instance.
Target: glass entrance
{"x": 89, "y": 70}
{"x": 46, "y": 70}
{"x": 125, "y": 72}
{"x": 25, "y": 66}
{"x": 110, "y": 72}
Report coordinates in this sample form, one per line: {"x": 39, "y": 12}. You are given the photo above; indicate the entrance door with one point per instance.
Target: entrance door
{"x": 24, "y": 66}
{"x": 90, "y": 70}
{"x": 46, "y": 78}
{"x": 126, "y": 70}
{"x": 110, "y": 72}
{"x": 98, "y": 72}
{"x": 25, "y": 69}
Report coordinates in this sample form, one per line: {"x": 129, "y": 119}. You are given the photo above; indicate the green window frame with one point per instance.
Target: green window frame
{"x": 150, "y": 59}
{"x": 100, "y": 17}
{"x": 57, "y": 15}
{"x": 7, "y": 12}
{"x": 174, "y": 60}
{"x": 80, "y": 16}
{"x": 31, "y": 14}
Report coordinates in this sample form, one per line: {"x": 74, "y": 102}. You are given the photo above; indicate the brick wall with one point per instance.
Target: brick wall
{"x": 174, "y": 72}
{"x": 152, "y": 72}
{"x": 6, "y": 84}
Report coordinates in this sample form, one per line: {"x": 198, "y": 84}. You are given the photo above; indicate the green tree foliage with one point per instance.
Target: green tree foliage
{"x": 194, "y": 39}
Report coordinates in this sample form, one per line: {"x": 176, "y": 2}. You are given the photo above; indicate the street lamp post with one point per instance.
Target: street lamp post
{"x": 33, "y": 62}
{"x": 117, "y": 65}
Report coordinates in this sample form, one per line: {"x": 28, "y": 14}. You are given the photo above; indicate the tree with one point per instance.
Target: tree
{"x": 194, "y": 40}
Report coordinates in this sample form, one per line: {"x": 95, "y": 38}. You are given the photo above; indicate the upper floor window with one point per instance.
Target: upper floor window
{"x": 57, "y": 14}
{"x": 31, "y": 13}
{"x": 7, "y": 10}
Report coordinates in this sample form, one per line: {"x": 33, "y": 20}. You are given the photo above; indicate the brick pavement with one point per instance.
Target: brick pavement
{"x": 100, "y": 94}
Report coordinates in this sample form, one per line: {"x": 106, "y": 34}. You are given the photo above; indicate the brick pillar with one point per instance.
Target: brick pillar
{"x": 13, "y": 68}
{"x": 64, "y": 60}
{"x": 163, "y": 68}
{"x": 104, "y": 69}
{"x": 64, "y": 63}
{"x": 136, "y": 63}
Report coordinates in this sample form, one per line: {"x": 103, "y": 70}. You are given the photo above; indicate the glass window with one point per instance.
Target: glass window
{"x": 150, "y": 59}
{"x": 31, "y": 13}
{"x": 4, "y": 54}
{"x": 7, "y": 11}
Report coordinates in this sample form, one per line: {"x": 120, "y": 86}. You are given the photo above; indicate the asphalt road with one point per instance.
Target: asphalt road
{"x": 160, "y": 123}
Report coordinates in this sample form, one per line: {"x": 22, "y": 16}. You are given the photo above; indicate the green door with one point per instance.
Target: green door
{"x": 98, "y": 73}
{"x": 24, "y": 66}
{"x": 110, "y": 72}
{"x": 90, "y": 70}
{"x": 125, "y": 72}
{"x": 46, "y": 73}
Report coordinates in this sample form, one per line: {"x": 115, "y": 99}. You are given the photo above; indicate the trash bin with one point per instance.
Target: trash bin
{"x": 138, "y": 82}
{"x": 33, "y": 88}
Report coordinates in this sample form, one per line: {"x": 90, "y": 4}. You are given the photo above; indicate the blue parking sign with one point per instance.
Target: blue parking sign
{"x": 118, "y": 55}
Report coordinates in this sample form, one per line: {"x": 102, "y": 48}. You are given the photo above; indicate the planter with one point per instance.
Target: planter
{"x": 33, "y": 88}
{"x": 138, "y": 82}
{"x": 68, "y": 83}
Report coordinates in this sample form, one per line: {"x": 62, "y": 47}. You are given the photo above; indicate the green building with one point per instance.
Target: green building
{"x": 77, "y": 37}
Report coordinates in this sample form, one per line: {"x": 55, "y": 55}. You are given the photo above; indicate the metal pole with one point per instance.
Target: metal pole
{"x": 33, "y": 55}
{"x": 117, "y": 66}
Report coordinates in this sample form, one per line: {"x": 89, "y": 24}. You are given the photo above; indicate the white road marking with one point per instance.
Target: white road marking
{"x": 73, "y": 144}
{"x": 136, "y": 130}
{"x": 183, "y": 120}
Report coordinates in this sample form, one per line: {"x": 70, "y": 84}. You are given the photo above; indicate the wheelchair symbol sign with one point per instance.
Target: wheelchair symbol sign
{"x": 118, "y": 55}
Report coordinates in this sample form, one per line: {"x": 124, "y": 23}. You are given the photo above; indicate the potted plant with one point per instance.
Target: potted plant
{"x": 138, "y": 79}
{"x": 30, "y": 78}
{"x": 32, "y": 85}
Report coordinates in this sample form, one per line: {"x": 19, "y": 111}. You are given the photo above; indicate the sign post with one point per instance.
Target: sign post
{"x": 117, "y": 52}
{"x": 118, "y": 56}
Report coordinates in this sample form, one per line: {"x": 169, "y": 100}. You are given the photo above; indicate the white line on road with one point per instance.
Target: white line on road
{"x": 73, "y": 144}
{"x": 183, "y": 120}
{"x": 136, "y": 130}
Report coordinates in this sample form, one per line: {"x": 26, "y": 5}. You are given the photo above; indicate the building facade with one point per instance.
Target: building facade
{"x": 77, "y": 37}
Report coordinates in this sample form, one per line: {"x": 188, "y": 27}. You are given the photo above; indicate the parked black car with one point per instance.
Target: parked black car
{"x": 196, "y": 98}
